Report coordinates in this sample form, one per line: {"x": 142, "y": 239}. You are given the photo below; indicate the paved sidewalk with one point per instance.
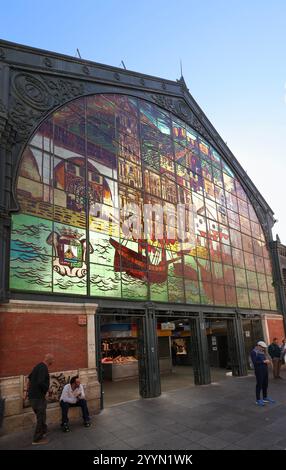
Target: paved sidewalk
{"x": 222, "y": 415}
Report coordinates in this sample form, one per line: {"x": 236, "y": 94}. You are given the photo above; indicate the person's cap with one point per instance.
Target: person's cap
{"x": 262, "y": 344}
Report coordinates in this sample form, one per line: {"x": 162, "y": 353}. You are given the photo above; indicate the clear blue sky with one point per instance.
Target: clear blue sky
{"x": 233, "y": 54}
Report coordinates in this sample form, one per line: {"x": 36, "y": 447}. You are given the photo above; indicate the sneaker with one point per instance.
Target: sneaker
{"x": 259, "y": 403}
{"x": 268, "y": 400}
{"x": 40, "y": 442}
{"x": 87, "y": 424}
{"x": 65, "y": 428}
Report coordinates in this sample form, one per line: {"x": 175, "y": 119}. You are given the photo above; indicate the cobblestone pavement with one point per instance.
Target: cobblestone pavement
{"x": 222, "y": 415}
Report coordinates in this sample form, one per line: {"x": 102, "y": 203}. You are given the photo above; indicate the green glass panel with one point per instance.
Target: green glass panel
{"x": 104, "y": 281}
{"x": 217, "y": 273}
{"x": 29, "y": 273}
{"x": 227, "y": 169}
{"x": 69, "y": 285}
{"x": 218, "y": 178}
{"x": 240, "y": 277}
{"x": 242, "y": 297}
{"x": 249, "y": 261}
{"x": 238, "y": 258}
{"x": 29, "y": 234}
{"x": 264, "y": 300}
{"x": 176, "y": 289}
{"x": 240, "y": 191}
{"x": 103, "y": 250}
{"x": 207, "y": 170}
{"x": 247, "y": 243}
{"x": 262, "y": 284}
{"x": 254, "y": 299}
{"x": 179, "y": 132}
{"x": 206, "y": 291}
{"x": 219, "y": 294}
{"x": 215, "y": 158}
{"x": 192, "y": 291}
{"x": 230, "y": 295}
{"x": 267, "y": 264}
{"x": 269, "y": 280}
{"x": 192, "y": 140}
{"x": 204, "y": 150}
{"x": 272, "y": 300}
{"x": 204, "y": 270}
{"x": 228, "y": 272}
{"x": 229, "y": 183}
{"x": 190, "y": 268}
{"x": 30, "y": 262}
{"x": 163, "y": 123}
{"x": 251, "y": 280}
{"x": 133, "y": 287}
{"x": 235, "y": 238}
{"x": 159, "y": 292}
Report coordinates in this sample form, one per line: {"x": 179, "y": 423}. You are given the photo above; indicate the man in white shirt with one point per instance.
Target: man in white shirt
{"x": 73, "y": 395}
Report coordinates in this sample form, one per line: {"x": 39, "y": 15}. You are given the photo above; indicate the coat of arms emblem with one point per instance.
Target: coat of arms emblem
{"x": 69, "y": 253}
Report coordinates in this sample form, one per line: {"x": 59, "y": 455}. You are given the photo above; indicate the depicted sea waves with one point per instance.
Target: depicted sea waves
{"x": 107, "y": 282}
{"x": 28, "y": 251}
{"x": 72, "y": 285}
{"x": 103, "y": 251}
{"x": 30, "y": 265}
{"x": 32, "y": 269}
{"x": 30, "y": 230}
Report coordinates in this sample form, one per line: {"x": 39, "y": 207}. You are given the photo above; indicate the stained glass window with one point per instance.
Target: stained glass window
{"x": 99, "y": 185}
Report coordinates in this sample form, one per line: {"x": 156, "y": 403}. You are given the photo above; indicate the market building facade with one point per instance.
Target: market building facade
{"x": 131, "y": 238}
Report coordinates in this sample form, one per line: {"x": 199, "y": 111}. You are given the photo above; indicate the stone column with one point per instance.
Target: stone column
{"x": 90, "y": 310}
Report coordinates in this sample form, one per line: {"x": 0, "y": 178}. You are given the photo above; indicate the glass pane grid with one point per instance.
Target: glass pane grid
{"x": 80, "y": 176}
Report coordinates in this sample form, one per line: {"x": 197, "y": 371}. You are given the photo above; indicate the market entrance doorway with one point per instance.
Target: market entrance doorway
{"x": 218, "y": 344}
{"x": 253, "y": 332}
{"x": 174, "y": 346}
{"x": 118, "y": 358}
{"x": 175, "y": 353}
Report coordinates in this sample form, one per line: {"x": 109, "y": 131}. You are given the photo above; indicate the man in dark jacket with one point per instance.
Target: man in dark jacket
{"x": 275, "y": 354}
{"x": 260, "y": 363}
{"x": 38, "y": 385}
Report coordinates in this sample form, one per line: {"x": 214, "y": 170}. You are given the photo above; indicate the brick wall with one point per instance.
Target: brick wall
{"x": 276, "y": 329}
{"x": 26, "y": 338}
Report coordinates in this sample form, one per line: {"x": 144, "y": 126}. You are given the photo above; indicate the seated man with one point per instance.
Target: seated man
{"x": 73, "y": 395}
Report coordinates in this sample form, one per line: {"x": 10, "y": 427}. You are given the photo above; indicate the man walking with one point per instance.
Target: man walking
{"x": 38, "y": 385}
{"x": 260, "y": 364}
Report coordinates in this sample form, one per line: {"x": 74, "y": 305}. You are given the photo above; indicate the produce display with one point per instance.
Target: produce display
{"x": 118, "y": 360}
